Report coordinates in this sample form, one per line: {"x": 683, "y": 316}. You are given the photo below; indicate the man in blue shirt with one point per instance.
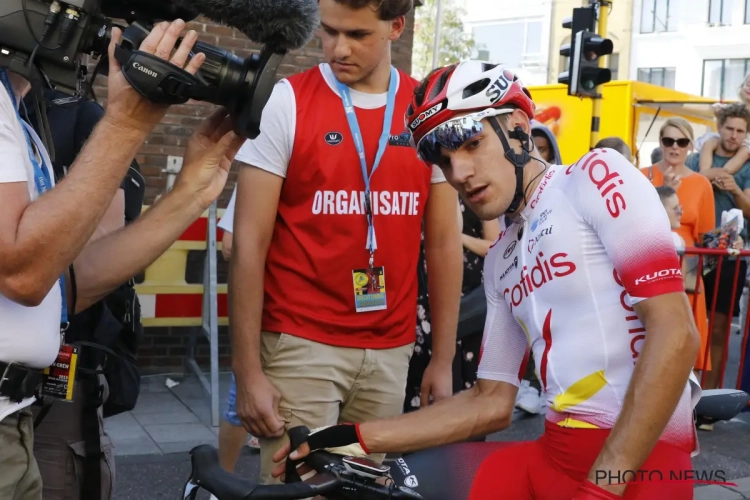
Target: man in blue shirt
{"x": 731, "y": 190}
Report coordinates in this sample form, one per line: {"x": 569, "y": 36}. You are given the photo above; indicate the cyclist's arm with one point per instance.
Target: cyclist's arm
{"x": 485, "y": 408}
{"x": 634, "y": 229}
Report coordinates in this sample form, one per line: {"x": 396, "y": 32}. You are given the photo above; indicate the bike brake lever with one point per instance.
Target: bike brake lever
{"x": 297, "y": 437}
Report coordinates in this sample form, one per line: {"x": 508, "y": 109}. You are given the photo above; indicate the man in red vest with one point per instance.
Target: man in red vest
{"x": 332, "y": 197}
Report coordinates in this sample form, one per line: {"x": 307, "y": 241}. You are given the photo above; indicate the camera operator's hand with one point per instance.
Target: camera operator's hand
{"x": 125, "y": 106}
{"x": 208, "y": 157}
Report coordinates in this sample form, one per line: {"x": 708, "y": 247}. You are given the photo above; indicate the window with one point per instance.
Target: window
{"x": 494, "y": 39}
{"x": 720, "y": 12}
{"x": 722, "y": 78}
{"x": 747, "y": 11}
{"x": 664, "y": 77}
{"x": 658, "y": 16}
{"x": 614, "y": 65}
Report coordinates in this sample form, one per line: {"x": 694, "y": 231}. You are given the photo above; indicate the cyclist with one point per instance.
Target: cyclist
{"x": 586, "y": 273}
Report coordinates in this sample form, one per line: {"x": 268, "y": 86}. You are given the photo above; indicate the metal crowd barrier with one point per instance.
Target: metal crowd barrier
{"x": 167, "y": 300}
{"x": 720, "y": 257}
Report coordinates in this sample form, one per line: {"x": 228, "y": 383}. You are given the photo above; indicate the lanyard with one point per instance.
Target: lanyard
{"x": 351, "y": 117}
{"x": 41, "y": 175}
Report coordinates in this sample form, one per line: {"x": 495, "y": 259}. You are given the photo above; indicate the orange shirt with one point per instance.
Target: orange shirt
{"x": 697, "y": 199}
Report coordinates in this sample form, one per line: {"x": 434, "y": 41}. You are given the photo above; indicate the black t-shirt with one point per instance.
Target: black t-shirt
{"x": 69, "y": 140}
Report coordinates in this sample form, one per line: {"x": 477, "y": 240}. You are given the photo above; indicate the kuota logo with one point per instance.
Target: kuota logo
{"x": 543, "y": 272}
{"x": 658, "y": 276}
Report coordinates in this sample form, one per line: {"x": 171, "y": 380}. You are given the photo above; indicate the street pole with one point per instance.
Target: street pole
{"x": 436, "y": 39}
{"x": 602, "y": 32}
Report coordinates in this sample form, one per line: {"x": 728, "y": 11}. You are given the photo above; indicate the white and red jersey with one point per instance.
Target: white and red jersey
{"x": 563, "y": 277}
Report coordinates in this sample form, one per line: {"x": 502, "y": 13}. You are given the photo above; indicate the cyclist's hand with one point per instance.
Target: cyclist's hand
{"x": 341, "y": 439}
{"x": 280, "y": 456}
{"x": 437, "y": 381}
{"x": 590, "y": 491}
{"x": 258, "y": 406}
{"x": 125, "y": 106}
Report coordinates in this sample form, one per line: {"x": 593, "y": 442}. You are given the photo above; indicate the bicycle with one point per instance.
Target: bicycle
{"x": 441, "y": 473}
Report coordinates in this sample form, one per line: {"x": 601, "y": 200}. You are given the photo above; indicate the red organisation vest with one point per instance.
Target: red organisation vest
{"x": 321, "y": 229}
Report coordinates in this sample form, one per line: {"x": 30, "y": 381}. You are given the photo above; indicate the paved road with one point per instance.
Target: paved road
{"x": 156, "y": 477}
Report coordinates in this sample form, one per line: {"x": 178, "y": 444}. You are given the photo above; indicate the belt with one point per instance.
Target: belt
{"x": 19, "y": 382}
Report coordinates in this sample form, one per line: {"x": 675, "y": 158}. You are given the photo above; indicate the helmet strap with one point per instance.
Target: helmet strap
{"x": 519, "y": 161}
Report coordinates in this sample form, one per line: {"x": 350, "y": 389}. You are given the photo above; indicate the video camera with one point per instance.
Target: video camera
{"x": 46, "y": 41}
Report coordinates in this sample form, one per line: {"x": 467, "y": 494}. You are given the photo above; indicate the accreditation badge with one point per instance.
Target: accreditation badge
{"x": 369, "y": 289}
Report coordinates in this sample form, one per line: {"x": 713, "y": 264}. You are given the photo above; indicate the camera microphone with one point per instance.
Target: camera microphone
{"x": 278, "y": 24}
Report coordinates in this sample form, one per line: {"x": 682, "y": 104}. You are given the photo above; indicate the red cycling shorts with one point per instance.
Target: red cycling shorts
{"x": 555, "y": 465}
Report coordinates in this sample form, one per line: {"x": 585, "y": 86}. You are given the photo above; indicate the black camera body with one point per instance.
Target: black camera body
{"x": 46, "y": 41}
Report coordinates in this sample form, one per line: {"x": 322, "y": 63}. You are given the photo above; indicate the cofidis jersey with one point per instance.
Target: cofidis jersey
{"x": 319, "y": 240}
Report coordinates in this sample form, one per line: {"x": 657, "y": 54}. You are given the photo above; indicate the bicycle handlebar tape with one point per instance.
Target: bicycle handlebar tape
{"x": 590, "y": 491}
{"x": 342, "y": 439}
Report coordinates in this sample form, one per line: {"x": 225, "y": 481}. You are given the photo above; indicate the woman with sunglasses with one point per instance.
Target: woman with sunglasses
{"x": 585, "y": 274}
{"x": 697, "y": 201}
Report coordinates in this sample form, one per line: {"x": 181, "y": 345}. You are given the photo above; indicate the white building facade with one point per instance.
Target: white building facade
{"x": 515, "y": 33}
{"x": 701, "y": 47}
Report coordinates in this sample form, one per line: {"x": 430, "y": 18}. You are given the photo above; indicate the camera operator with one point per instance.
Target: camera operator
{"x": 71, "y": 447}
{"x": 46, "y": 230}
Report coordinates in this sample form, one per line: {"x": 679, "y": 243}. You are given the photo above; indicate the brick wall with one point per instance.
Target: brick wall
{"x": 164, "y": 349}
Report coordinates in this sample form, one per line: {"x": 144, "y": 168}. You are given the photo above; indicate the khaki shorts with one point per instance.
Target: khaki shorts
{"x": 19, "y": 474}
{"x": 61, "y": 451}
{"x": 322, "y": 385}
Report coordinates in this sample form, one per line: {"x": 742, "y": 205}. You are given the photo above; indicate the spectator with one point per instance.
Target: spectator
{"x": 477, "y": 237}
{"x": 656, "y": 155}
{"x": 696, "y": 210}
{"x": 731, "y": 190}
{"x": 545, "y": 143}
{"x": 82, "y": 422}
{"x": 311, "y": 343}
{"x": 232, "y": 435}
{"x": 42, "y": 238}
{"x": 709, "y": 143}
{"x": 617, "y": 144}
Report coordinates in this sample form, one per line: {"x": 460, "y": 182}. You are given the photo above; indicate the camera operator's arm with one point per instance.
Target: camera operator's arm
{"x": 39, "y": 240}
{"x": 113, "y": 259}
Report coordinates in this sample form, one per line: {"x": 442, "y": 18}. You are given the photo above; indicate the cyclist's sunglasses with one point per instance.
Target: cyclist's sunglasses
{"x": 453, "y": 134}
{"x": 669, "y": 142}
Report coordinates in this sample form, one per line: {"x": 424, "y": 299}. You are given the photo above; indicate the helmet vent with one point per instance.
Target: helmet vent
{"x": 475, "y": 88}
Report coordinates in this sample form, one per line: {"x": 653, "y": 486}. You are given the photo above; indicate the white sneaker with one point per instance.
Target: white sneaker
{"x": 528, "y": 399}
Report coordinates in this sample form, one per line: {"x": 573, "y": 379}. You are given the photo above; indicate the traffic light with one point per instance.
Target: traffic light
{"x": 583, "y": 73}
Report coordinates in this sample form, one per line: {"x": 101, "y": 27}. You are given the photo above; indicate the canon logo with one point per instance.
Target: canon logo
{"x": 606, "y": 183}
{"x": 144, "y": 69}
{"x": 540, "y": 274}
{"x": 542, "y": 185}
{"x": 658, "y": 275}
